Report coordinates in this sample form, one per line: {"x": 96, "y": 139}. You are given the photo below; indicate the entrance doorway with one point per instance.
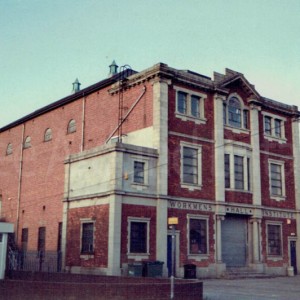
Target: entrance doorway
{"x": 293, "y": 256}
{"x": 234, "y": 241}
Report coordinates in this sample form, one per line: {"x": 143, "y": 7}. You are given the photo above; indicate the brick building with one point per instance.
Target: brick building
{"x": 97, "y": 174}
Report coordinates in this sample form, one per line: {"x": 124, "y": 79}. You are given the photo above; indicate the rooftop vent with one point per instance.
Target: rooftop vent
{"x": 76, "y": 86}
{"x": 113, "y": 69}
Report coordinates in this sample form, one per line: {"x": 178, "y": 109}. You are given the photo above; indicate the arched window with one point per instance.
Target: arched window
{"x": 72, "y": 126}
{"x": 234, "y": 112}
{"x": 9, "y": 149}
{"x": 234, "y": 115}
{"x": 48, "y": 135}
{"x": 27, "y": 143}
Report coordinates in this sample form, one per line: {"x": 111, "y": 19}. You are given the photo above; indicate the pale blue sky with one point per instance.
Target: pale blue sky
{"x": 46, "y": 44}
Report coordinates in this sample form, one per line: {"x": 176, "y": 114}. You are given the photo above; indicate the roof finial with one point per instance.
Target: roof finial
{"x": 76, "y": 86}
{"x": 113, "y": 69}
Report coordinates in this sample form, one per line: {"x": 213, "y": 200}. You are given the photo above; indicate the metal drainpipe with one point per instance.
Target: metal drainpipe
{"x": 20, "y": 185}
{"x": 83, "y": 122}
{"x": 65, "y": 219}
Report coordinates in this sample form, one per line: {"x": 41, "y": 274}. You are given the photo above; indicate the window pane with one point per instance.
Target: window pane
{"x": 139, "y": 172}
{"x": 138, "y": 237}
{"x": 248, "y": 174}
{"x": 277, "y": 124}
{"x": 234, "y": 112}
{"x": 181, "y": 102}
{"x": 274, "y": 240}
{"x": 195, "y": 106}
{"x": 198, "y": 236}
{"x": 72, "y": 126}
{"x": 87, "y": 238}
{"x": 227, "y": 170}
{"x": 190, "y": 165}
{"x": 245, "y": 115}
{"x": 48, "y": 135}
{"x": 268, "y": 129}
{"x": 9, "y": 149}
{"x": 224, "y": 114}
{"x": 238, "y": 172}
{"x": 276, "y": 180}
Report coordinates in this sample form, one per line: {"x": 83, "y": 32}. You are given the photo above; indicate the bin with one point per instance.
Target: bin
{"x": 189, "y": 271}
{"x": 153, "y": 269}
{"x": 135, "y": 270}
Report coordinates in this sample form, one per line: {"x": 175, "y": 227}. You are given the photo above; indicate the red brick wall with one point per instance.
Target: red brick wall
{"x": 189, "y": 127}
{"x": 182, "y": 227}
{"x": 289, "y": 201}
{"x": 100, "y": 214}
{"x": 43, "y": 163}
{"x": 138, "y": 211}
{"x": 101, "y": 113}
{"x": 287, "y": 230}
{"x": 208, "y": 179}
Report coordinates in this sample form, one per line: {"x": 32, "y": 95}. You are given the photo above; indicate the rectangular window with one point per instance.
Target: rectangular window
{"x": 246, "y": 119}
{"x": 1, "y": 235}
{"x": 248, "y": 174}
{"x": 195, "y": 106}
{"x": 227, "y": 170}
{"x": 274, "y": 239}
{"x": 59, "y": 236}
{"x": 277, "y": 125}
{"x": 190, "y": 165}
{"x": 139, "y": 172}
{"x": 138, "y": 237}
{"x": 268, "y": 125}
{"x": 224, "y": 114}
{"x": 181, "y": 102}
{"x": 197, "y": 236}
{"x": 42, "y": 239}
{"x": 238, "y": 172}
{"x": 237, "y": 169}
{"x": 276, "y": 179}
{"x": 24, "y": 239}
{"x": 87, "y": 238}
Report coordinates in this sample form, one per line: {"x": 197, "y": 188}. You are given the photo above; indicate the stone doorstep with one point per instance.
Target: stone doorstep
{"x": 243, "y": 273}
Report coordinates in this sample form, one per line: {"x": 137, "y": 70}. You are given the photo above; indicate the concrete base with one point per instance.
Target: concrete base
{"x": 257, "y": 267}
{"x": 290, "y": 271}
{"x": 278, "y": 271}
{"x": 86, "y": 271}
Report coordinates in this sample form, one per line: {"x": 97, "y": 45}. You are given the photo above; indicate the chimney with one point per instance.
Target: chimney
{"x": 113, "y": 69}
{"x": 76, "y": 86}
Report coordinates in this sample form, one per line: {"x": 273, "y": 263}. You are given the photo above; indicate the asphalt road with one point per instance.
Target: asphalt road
{"x": 283, "y": 288}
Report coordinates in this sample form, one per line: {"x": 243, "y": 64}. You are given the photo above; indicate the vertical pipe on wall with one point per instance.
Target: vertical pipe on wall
{"x": 20, "y": 184}
{"x": 83, "y": 123}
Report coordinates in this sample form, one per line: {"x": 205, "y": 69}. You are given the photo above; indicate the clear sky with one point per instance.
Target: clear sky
{"x": 46, "y": 44}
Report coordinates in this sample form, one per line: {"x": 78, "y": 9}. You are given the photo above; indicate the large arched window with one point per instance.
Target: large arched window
{"x": 48, "y": 135}
{"x": 234, "y": 112}
{"x": 234, "y": 115}
{"x": 72, "y": 126}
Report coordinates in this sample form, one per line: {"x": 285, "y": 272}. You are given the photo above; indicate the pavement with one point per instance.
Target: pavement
{"x": 279, "y": 288}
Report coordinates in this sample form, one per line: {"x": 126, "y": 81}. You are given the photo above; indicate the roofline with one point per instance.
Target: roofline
{"x": 68, "y": 99}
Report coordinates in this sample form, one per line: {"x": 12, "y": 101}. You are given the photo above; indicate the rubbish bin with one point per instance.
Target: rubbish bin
{"x": 189, "y": 271}
{"x": 153, "y": 269}
{"x": 135, "y": 270}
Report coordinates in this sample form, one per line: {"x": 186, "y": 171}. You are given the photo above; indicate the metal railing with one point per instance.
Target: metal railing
{"x": 40, "y": 261}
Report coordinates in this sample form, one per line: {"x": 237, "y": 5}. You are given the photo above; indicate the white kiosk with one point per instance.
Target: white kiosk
{"x": 5, "y": 229}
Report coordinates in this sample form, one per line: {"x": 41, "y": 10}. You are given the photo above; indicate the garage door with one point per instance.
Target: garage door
{"x": 234, "y": 241}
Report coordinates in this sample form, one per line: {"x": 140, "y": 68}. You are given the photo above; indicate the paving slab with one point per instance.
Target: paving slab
{"x": 279, "y": 288}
